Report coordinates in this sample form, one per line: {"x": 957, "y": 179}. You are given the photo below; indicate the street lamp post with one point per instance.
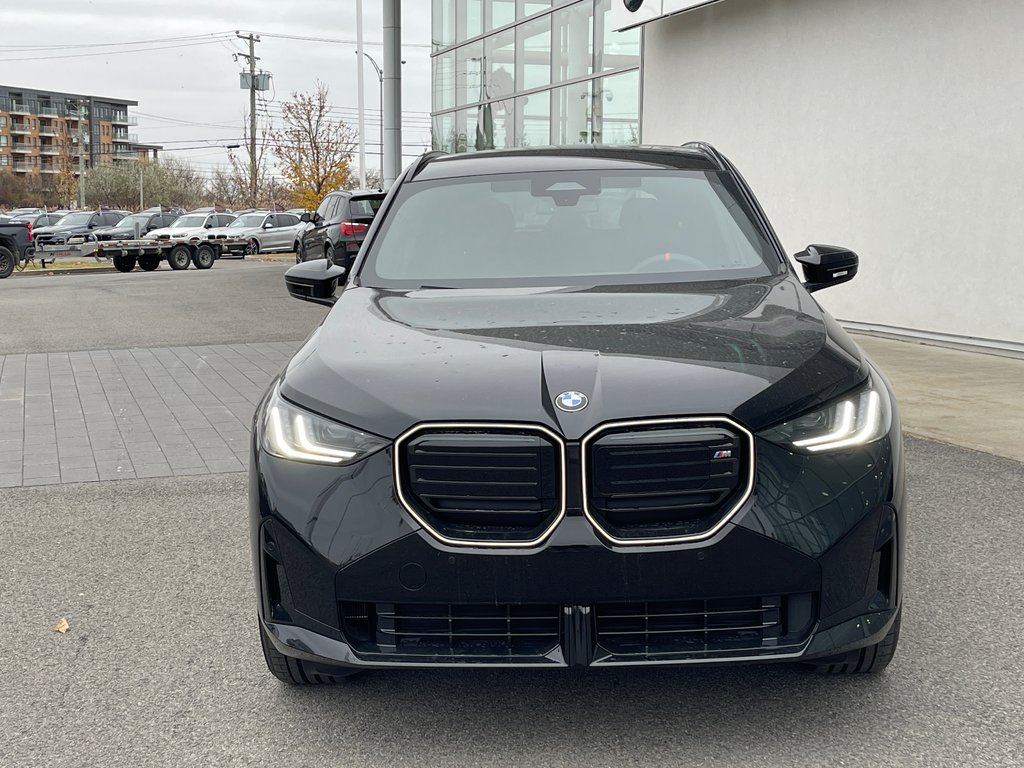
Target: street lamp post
{"x": 380, "y": 77}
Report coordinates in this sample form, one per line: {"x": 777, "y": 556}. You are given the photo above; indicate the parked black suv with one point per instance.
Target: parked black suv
{"x": 146, "y": 221}
{"x": 339, "y": 226}
{"x": 575, "y": 408}
{"x": 76, "y": 224}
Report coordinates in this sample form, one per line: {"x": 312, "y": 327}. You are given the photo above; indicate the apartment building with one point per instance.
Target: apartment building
{"x": 41, "y": 131}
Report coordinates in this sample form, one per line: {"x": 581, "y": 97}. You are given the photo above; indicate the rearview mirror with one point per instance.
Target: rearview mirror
{"x": 827, "y": 265}
{"x": 314, "y": 281}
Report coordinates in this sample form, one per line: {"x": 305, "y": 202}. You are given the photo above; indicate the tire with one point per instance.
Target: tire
{"x": 149, "y": 263}
{"x": 330, "y": 252}
{"x": 180, "y": 257}
{"x": 123, "y": 263}
{"x": 296, "y": 671}
{"x": 295, "y": 247}
{"x": 7, "y": 261}
{"x": 204, "y": 257}
{"x": 300, "y": 252}
{"x": 252, "y": 248}
{"x": 863, "y": 661}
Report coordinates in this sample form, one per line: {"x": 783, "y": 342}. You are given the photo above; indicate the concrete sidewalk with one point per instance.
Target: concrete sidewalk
{"x": 964, "y": 398}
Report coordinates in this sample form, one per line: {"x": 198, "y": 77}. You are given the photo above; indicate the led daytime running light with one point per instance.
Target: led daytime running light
{"x": 847, "y": 432}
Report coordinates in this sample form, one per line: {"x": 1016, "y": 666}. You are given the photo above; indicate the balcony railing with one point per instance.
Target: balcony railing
{"x": 20, "y": 147}
{"x": 49, "y": 169}
{"x": 17, "y": 127}
{"x": 45, "y": 110}
{"x": 23, "y": 167}
{"x": 125, "y": 154}
{"x": 49, "y": 149}
{"x": 20, "y": 109}
{"x": 123, "y": 118}
{"x": 126, "y": 138}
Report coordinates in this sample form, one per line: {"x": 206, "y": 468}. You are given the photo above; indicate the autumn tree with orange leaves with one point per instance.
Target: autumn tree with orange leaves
{"x": 315, "y": 150}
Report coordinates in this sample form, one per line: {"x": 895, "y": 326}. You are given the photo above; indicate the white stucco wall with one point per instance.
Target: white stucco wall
{"x": 892, "y": 127}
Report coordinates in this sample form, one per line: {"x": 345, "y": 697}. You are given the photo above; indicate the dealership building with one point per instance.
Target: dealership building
{"x": 892, "y": 128}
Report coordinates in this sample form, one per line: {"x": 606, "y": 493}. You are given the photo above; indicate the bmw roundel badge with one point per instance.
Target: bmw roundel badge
{"x": 571, "y": 401}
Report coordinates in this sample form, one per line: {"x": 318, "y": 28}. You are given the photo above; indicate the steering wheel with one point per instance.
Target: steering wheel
{"x": 663, "y": 258}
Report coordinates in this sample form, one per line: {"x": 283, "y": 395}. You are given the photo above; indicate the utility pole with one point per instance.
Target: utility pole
{"x": 81, "y": 157}
{"x": 142, "y": 203}
{"x": 392, "y": 115}
{"x": 252, "y": 58}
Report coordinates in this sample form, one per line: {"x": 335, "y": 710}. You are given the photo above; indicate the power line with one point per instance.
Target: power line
{"x": 334, "y": 40}
{"x": 113, "y": 53}
{"x": 72, "y": 46}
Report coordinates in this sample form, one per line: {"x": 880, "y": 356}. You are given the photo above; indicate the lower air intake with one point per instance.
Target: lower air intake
{"x": 733, "y": 627}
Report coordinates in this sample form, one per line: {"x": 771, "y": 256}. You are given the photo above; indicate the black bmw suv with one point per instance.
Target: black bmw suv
{"x": 338, "y": 226}
{"x": 574, "y": 408}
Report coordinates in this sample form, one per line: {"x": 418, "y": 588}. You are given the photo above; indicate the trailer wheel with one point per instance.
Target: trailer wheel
{"x": 204, "y": 257}
{"x": 179, "y": 257}
{"x": 123, "y": 263}
{"x": 149, "y": 263}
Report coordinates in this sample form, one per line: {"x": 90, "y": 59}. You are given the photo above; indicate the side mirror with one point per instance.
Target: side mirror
{"x": 827, "y": 265}
{"x": 208, "y": 225}
{"x": 314, "y": 281}
{"x": 305, "y": 218}
{"x": 268, "y": 225}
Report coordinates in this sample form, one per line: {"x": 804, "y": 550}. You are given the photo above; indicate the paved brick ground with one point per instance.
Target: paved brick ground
{"x": 82, "y": 416}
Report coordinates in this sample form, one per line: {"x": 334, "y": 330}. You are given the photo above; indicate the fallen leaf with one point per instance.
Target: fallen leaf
{"x": 62, "y": 626}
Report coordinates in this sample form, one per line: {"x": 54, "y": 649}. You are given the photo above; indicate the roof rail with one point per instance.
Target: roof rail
{"x": 420, "y": 162}
{"x": 708, "y": 151}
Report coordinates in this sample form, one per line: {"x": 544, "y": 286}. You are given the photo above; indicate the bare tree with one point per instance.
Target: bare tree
{"x": 315, "y": 150}
{"x": 67, "y": 183}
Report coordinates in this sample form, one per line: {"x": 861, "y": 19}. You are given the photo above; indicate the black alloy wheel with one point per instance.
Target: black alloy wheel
{"x": 6, "y": 262}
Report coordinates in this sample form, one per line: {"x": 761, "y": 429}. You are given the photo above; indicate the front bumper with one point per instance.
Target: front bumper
{"x": 810, "y": 567}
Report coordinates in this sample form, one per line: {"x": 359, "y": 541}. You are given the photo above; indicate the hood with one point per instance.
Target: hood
{"x": 176, "y": 233}
{"x": 232, "y": 231}
{"x": 759, "y": 351}
{"x": 68, "y": 230}
{"x": 115, "y": 231}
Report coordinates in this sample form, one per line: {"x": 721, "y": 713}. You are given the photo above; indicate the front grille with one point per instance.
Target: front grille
{"x": 666, "y": 481}
{"x": 488, "y": 485}
{"x": 439, "y": 633}
{"x": 703, "y": 629}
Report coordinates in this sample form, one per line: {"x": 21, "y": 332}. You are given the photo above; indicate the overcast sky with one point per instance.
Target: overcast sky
{"x": 179, "y": 86}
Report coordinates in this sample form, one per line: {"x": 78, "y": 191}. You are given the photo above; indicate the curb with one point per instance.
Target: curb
{"x": 68, "y": 271}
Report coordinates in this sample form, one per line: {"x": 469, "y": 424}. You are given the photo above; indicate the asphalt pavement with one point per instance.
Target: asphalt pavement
{"x": 161, "y": 663}
{"x": 234, "y": 302}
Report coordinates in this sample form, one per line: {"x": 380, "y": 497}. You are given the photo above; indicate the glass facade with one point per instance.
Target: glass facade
{"x": 521, "y": 73}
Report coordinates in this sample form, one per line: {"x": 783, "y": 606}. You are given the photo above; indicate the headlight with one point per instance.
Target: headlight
{"x": 856, "y": 419}
{"x": 290, "y": 432}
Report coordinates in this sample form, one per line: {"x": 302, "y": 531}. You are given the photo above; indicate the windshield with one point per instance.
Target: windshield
{"x": 567, "y": 228}
{"x": 249, "y": 220}
{"x": 189, "y": 221}
{"x": 75, "y": 219}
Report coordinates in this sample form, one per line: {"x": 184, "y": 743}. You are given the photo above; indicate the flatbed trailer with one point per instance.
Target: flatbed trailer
{"x": 147, "y": 254}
